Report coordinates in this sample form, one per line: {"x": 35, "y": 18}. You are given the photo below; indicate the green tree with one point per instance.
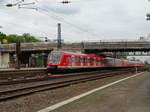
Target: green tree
{"x": 148, "y": 16}
{"x": 13, "y": 38}
{"x": 2, "y": 36}
{"x": 26, "y": 37}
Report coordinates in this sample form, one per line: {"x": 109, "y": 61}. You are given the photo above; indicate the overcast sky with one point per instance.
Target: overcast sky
{"x": 81, "y": 20}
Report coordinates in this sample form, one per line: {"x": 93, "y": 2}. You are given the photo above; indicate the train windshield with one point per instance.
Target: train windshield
{"x": 54, "y": 57}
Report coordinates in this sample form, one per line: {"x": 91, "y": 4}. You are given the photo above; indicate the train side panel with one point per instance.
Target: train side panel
{"x": 69, "y": 59}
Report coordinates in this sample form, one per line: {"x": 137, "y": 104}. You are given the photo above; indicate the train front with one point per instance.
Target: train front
{"x": 53, "y": 60}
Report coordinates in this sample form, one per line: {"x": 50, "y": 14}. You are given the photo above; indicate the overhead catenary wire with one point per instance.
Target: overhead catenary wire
{"x": 59, "y": 18}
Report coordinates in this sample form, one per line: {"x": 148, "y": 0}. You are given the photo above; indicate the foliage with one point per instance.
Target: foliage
{"x": 2, "y": 36}
{"x": 13, "y": 38}
{"x": 38, "y": 62}
{"x": 28, "y": 38}
{"x": 148, "y": 16}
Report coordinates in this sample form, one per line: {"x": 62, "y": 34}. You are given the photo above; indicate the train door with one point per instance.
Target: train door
{"x": 98, "y": 62}
{"x": 117, "y": 62}
{"x": 81, "y": 61}
{"x": 64, "y": 60}
{"x": 104, "y": 62}
{"x": 101, "y": 61}
{"x": 91, "y": 61}
{"x": 95, "y": 61}
{"x": 88, "y": 61}
{"x": 73, "y": 60}
{"x": 68, "y": 61}
{"x": 77, "y": 60}
{"x": 123, "y": 62}
{"x": 84, "y": 61}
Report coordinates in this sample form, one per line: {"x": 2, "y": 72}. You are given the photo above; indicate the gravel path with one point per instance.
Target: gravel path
{"x": 132, "y": 95}
{"x": 40, "y": 100}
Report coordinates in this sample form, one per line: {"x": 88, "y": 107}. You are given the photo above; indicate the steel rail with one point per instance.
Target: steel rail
{"x": 54, "y": 76}
{"x": 9, "y": 94}
{"x": 11, "y": 75}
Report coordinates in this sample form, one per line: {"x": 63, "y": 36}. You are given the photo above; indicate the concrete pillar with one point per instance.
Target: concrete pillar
{"x": 5, "y": 60}
{"x": 0, "y": 59}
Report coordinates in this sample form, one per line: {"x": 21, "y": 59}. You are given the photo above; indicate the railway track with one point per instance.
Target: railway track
{"x": 59, "y": 82}
{"x": 26, "y": 75}
{"x": 22, "y": 79}
{"x": 10, "y": 75}
{"x": 23, "y": 76}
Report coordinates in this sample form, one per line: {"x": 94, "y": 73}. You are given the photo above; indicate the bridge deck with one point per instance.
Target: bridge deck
{"x": 101, "y": 46}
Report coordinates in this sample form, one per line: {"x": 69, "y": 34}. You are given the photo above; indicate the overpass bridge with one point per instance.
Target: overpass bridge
{"x": 122, "y": 46}
{"x": 41, "y": 49}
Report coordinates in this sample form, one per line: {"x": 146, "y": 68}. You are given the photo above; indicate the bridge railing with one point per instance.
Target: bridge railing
{"x": 80, "y": 45}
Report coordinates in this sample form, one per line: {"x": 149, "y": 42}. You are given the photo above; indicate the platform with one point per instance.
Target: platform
{"x": 132, "y": 95}
{"x": 22, "y": 69}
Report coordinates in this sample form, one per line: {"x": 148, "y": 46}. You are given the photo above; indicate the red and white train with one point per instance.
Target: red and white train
{"x": 61, "y": 59}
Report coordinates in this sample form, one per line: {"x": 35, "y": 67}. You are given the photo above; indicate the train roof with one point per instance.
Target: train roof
{"x": 75, "y": 53}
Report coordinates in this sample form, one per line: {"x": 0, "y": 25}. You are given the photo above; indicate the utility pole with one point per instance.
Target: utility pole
{"x": 59, "y": 46}
{"x": 18, "y": 53}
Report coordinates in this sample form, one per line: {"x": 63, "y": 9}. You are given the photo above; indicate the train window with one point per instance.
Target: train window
{"x": 81, "y": 59}
{"x": 68, "y": 59}
{"x": 77, "y": 59}
{"x": 84, "y": 59}
{"x": 88, "y": 60}
{"x": 54, "y": 57}
{"x": 95, "y": 60}
{"x": 91, "y": 60}
{"x": 117, "y": 61}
